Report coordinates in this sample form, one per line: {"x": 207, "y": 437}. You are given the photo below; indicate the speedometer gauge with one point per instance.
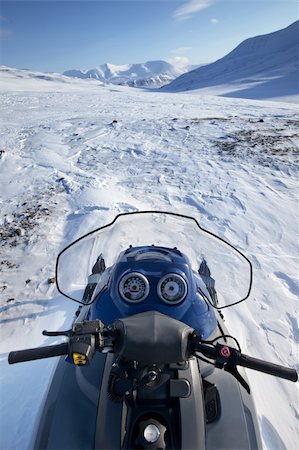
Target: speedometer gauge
{"x": 134, "y": 287}
{"x": 172, "y": 288}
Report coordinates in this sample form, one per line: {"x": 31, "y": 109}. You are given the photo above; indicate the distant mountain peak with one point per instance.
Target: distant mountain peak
{"x": 148, "y": 74}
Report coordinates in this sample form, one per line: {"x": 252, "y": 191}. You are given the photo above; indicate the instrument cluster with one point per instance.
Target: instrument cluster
{"x": 134, "y": 287}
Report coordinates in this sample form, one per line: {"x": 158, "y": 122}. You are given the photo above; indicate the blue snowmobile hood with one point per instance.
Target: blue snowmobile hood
{"x": 154, "y": 263}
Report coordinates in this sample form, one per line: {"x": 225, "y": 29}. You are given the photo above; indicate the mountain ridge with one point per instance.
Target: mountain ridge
{"x": 259, "y": 67}
{"x": 151, "y": 73}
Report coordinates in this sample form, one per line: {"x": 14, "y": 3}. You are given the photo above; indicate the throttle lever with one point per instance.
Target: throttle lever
{"x": 232, "y": 369}
{"x": 226, "y": 358}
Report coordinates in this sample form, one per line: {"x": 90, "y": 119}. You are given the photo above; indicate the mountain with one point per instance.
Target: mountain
{"x": 149, "y": 74}
{"x": 264, "y": 66}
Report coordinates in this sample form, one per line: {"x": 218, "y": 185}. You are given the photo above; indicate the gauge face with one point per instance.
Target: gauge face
{"x": 134, "y": 287}
{"x": 172, "y": 288}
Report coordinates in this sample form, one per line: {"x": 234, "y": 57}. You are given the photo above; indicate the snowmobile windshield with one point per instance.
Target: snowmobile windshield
{"x": 230, "y": 269}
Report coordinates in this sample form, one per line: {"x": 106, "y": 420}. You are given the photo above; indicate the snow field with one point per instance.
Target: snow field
{"x": 73, "y": 156}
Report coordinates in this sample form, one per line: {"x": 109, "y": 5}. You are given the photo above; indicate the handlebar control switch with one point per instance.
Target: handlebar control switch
{"x": 88, "y": 327}
{"x": 82, "y": 349}
{"x": 79, "y": 359}
{"x": 224, "y": 355}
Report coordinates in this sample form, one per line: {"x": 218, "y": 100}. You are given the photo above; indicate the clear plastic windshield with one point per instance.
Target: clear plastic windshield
{"x": 229, "y": 267}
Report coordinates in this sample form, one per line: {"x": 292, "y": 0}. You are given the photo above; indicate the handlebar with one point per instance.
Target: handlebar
{"x": 87, "y": 337}
{"x": 229, "y": 357}
{"x": 38, "y": 353}
{"x": 268, "y": 367}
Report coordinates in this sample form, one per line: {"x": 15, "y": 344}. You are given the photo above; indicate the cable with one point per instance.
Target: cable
{"x": 203, "y": 359}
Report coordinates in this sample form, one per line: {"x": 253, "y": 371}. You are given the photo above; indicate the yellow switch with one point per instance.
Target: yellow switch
{"x": 79, "y": 359}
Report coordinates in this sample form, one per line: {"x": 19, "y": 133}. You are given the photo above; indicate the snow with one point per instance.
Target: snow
{"x": 262, "y": 67}
{"x": 74, "y": 154}
{"x": 9, "y": 75}
{"x": 151, "y": 73}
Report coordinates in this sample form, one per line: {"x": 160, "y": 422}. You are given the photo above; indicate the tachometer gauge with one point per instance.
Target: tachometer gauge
{"x": 172, "y": 288}
{"x": 134, "y": 287}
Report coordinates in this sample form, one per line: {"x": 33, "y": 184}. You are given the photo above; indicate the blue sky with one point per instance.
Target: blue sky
{"x": 60, "y": 35}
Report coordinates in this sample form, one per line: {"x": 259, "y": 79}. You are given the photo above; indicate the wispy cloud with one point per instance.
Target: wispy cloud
{"x": 180, "y": 62}
{"x": 215, "y": 21}
{"x": 187, "y": 10}
{"x": 180, "y": 50}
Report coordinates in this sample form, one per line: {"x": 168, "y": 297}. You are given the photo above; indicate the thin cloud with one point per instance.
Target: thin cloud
{"x": 214, "y": 21}
{"x": 180, "y": 50}
{"x": 180, "y": 62}
{"x": 187, "y": 10}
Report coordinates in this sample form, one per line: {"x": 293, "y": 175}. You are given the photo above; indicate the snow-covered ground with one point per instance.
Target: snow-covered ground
{"x": 73, "y": 155}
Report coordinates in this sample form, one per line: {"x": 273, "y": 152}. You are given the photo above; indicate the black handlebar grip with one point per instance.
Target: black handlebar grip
{"x": 267, "y": 367}
{"x": 38, "y": 353}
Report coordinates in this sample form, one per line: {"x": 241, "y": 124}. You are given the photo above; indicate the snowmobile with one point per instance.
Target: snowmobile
{"x": 148, "y": 362}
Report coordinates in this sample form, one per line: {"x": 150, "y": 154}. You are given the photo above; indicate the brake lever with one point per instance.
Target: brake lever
{"x": 85, "y": 338}
{"x": 67, "y": 333}
{"x": 79, "y": 328}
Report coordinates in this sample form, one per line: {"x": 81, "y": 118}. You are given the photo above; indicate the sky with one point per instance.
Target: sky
{"x": 59, "y": 35}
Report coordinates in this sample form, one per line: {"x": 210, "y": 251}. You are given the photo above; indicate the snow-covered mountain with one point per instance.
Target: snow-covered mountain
{"x": 264, "y": 66}
{"x": 31, "y": 79}
{"x": 149, "y": 74}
